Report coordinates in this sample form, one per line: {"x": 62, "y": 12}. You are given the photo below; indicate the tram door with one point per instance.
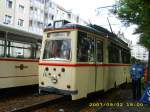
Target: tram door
{"x": 99, "y": 69}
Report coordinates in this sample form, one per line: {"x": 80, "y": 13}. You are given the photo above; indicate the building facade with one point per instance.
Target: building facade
{"x": 139, "y": 52}
{"x": 50, "y": 12}
{"x": 34, "y": 15}
{"x": 15, "y": 13}
{"x": 61, "y": 13}
{"x": 122, "y": 37}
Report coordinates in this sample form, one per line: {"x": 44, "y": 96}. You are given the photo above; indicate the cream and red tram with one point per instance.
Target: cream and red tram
{"x": 77, "y": 60}
{"x": 18, "y": 57}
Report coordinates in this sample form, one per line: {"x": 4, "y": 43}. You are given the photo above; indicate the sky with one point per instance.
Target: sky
{"x": 87, "y": 10}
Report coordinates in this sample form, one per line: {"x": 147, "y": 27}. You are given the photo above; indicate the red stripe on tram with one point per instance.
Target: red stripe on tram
{"x": 23, "y": 60}
{"x": 80, "y": 65}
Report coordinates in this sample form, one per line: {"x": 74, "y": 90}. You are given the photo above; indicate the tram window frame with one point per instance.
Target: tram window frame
{"x": 2, "y": 44}
{"x": 85, "y": 47}
{"x": 91, "y": 51}
{"x": 99, "y": 51}
{"x": 62, "y": 50}
{"x": 125, "y": 55}
{"x": 128, "y": 57}
{"x": 38, "y": 51}
{"x": 113, "y": 53}
{"x": 32, "y": 50}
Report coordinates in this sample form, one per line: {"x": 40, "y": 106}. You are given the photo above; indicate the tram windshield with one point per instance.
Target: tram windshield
{"x": 57, "y": 49}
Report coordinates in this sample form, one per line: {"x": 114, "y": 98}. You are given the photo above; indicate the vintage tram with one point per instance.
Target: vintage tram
{"x": 77, "y": 60}
{"x": 19, "y": 52}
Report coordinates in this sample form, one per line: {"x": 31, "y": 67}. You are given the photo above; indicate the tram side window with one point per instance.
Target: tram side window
{"x": 125, "y": 57}
{"x": 128, "y": 58}
{"x": 1, "y": 48}
{"x": 91, "y": 49}
{"x": 85, "y": 46}
{"x": 99, "y": 51}
{"x": 114, "y": 54}
{"x": 19, "y": 50}
{"x": 27, "y": 51}
{"x": 38, "y": 51}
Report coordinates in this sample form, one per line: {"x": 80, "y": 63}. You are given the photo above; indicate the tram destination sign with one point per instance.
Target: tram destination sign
{"x": 58, "y": 34}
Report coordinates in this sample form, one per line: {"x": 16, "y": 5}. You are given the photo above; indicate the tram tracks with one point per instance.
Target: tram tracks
{"x": 28, "y": 103}
{"x": 38, "y": 105}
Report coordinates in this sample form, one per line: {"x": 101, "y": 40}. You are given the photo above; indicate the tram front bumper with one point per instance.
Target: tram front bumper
{"x": 59, "y": 91}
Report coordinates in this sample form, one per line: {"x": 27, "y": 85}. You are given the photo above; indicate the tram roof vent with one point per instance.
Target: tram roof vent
{"x": 60, "y": 23}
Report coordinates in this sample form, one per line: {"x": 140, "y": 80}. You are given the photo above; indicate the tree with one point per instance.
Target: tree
{"x": 136, "y": 12}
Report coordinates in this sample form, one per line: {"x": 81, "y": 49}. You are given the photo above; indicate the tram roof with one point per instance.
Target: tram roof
{"x": 18, "y": 34}
{"x": 93, "y": 29}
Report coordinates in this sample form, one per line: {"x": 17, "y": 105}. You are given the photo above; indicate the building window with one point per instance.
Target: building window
{"x": 77, "y": 20}
{"x": 35, "y": 9}
{"x": 39, "y": 24}
{"x": 31, "y": 8}
{"x": 57, "y": 11}
{"x": 20, "y": 22}
{"x": 52, "y": 18}
{"x": 42, "y": 1}
{"x": 9, "y": 3}
{"x": 46, "y": 15}
{"x": 69, "y": 16}
{"x": 50, "y": 4}
{"x": 8, "y": 19}
{"x": 30, "y": 23}
{"x": 21, "y": 8}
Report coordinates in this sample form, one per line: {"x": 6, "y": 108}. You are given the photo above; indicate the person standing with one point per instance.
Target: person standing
{"x": 136, "y": 72}
{"x": 141, "y": 72}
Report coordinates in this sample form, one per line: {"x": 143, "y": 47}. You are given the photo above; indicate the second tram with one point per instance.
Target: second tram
{"x": 19, "y": 52}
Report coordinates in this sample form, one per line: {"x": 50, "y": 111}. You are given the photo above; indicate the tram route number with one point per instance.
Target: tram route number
{"x": 115, "y": 104}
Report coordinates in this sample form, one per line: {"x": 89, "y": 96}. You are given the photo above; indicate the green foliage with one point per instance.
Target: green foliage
{"x": 145, "y": 40}
{"x": 136, "y": 12}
